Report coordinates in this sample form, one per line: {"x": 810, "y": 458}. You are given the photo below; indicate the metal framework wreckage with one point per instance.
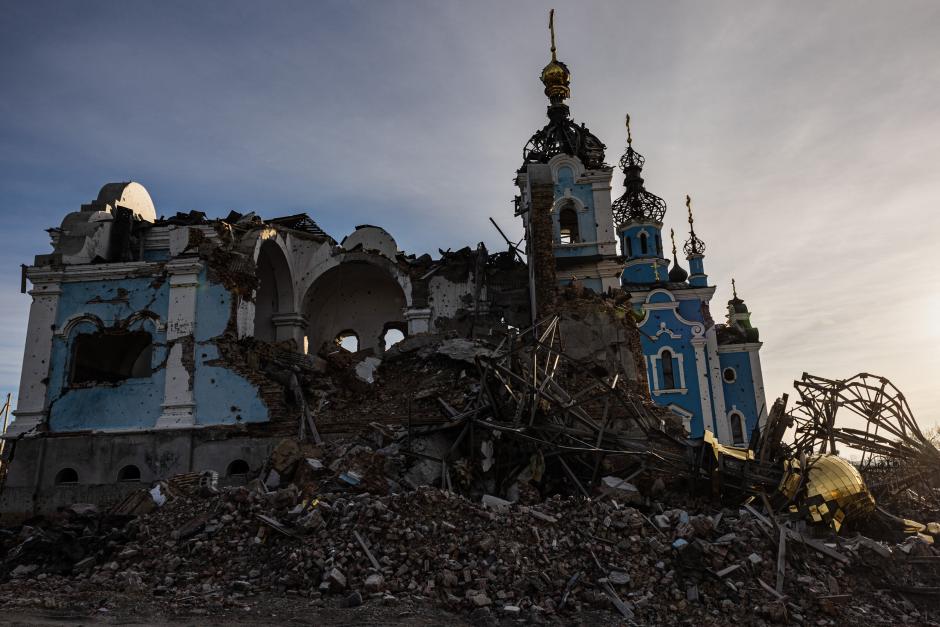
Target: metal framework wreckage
{"x": 538, "y": 415}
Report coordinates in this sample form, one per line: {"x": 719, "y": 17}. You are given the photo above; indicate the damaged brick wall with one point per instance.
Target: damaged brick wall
{"x": 540, "y": 239}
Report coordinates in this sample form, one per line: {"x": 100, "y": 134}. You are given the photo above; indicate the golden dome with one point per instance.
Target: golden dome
{"x": 556, "y": 79}
{"x": 834, "y": 490}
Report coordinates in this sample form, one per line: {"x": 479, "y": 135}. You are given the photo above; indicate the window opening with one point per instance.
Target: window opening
{"x": 238, "y": 468}
{"x": 659, "y": 243}
{"x": 568, "y": 226}
{"x": 129, "y": 473}
{"x": 392, "y": 337}
{"x": 644, "y": 247}
{"x": 111, "y": 357}
{"x": 669, "y": 377}
{"x": 629, "y": 244}
{"x": 66, "y": 476}
{"x": 737, "y": 429}
{"x": 729, "y": 375}
{"x": 348, "y": 341}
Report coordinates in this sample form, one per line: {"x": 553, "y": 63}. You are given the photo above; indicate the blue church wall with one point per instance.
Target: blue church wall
{"x": 131, "y": 404}
{"x": 222, "y": 396}
{"x": 587, "y": 223}
{"x": 652, "y": 344}
{"x": 740, "y": 393}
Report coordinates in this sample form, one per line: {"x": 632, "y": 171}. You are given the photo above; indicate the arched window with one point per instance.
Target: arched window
{"x": 644, "y": 246}
{"x": 737, "y": 428}
{"x": 629, "y": 242}
{"x": 568, "y": 225}
{"x": 238, "y": 468}
{"x": 66, "y": 476}
{"x": 659, "y": 243}
{"x": 129, "y": 473}
{"x": 669, "y": 377}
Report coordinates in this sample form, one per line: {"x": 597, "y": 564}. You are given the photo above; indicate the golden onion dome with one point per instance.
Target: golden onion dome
{"x": 833, "y": 490}
{"x": 556, "y": 78}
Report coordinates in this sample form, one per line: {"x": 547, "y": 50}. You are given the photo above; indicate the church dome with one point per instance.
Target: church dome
{"x": 636, "y": 204}
{"x": 561, "y": 134}
{"x": 677, "y": 273}
{"x": 556, "y": 77}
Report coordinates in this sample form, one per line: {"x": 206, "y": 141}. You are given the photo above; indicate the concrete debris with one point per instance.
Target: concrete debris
{"x": 348, "y": 544}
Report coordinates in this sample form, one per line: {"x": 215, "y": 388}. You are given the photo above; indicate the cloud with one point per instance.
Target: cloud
{"x": 806, "y": 135}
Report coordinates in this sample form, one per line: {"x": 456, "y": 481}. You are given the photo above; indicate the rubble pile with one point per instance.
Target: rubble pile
{"x": 343, "y": 531}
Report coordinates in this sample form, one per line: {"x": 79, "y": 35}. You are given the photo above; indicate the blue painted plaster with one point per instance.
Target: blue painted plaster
{"x": 223, "y": 396}
{"x": 587, "y": 221}
{"x": 740, "y": 394}
{"x": 697, "y": 276}
{"x": 651, "y": 344}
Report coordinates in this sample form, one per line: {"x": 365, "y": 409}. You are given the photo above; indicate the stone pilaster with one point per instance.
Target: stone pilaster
{"x": 178, "y": 402}
{"x": 290, "y": 326}
{"x": 31, "y": 403}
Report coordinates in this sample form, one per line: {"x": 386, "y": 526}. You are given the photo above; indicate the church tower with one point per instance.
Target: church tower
{"x": 639, "y": 217}
{"x": 578, "y": 224}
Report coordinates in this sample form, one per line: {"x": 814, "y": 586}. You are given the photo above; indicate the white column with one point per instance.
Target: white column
{"x": 698, "y": 343}
{"x": 31, "y": 407}
{"x": 178, "y": 403}
{"x": 419, "y": 321}
{"x": 603, "y": 215}
{"x": 718, "y": 391}
{"x": 760, "y": 399}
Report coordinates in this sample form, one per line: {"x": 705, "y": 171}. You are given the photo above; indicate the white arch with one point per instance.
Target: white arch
{"x": 654, "y": 371}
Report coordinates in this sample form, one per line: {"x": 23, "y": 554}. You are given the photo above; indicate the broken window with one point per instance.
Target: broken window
{"x": 644, "y": 246}
{"x": 669, "y": 377}
{"x": 348, "y": 340}
{"x": 129, "y": 473}
{"x": 568, "y": 225}
{"x": 111, "y": 357}
{"x": 392, "y": 336}
{"x": 238, "y": 468}
{"x": 737, "y": 428}
{"x": 66, "y": 476}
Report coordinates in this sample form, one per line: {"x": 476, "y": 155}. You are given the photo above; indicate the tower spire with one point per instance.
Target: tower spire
{"x": 555, "y": 75}
{"x": 694, "y": 245}
{"x": 551, "y": 28}
{"x": 734, "y": 288}
{"x": 629, "y": 134}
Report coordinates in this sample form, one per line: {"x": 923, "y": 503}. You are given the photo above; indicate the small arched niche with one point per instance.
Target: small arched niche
{"x": 237, "y": 468}
{"x": 66, "y": 476}
{"x": 129, "y": 474}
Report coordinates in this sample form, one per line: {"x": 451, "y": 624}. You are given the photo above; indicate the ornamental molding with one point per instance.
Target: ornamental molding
{"x": 748, "y": 347}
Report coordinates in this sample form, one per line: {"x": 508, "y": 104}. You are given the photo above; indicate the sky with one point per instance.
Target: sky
{"x": 807, "y": 134}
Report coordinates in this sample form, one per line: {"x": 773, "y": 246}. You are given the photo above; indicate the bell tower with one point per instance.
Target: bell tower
{"x": 579, "y": 229}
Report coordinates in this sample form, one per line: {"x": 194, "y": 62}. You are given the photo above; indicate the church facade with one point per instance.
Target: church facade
{"x": 707, "y": 373}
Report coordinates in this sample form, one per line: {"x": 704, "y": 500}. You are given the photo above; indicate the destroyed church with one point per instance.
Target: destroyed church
{"x": 157, "y": 346}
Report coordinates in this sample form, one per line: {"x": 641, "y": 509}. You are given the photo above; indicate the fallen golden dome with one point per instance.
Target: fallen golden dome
{"x": 829, "y": 489}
